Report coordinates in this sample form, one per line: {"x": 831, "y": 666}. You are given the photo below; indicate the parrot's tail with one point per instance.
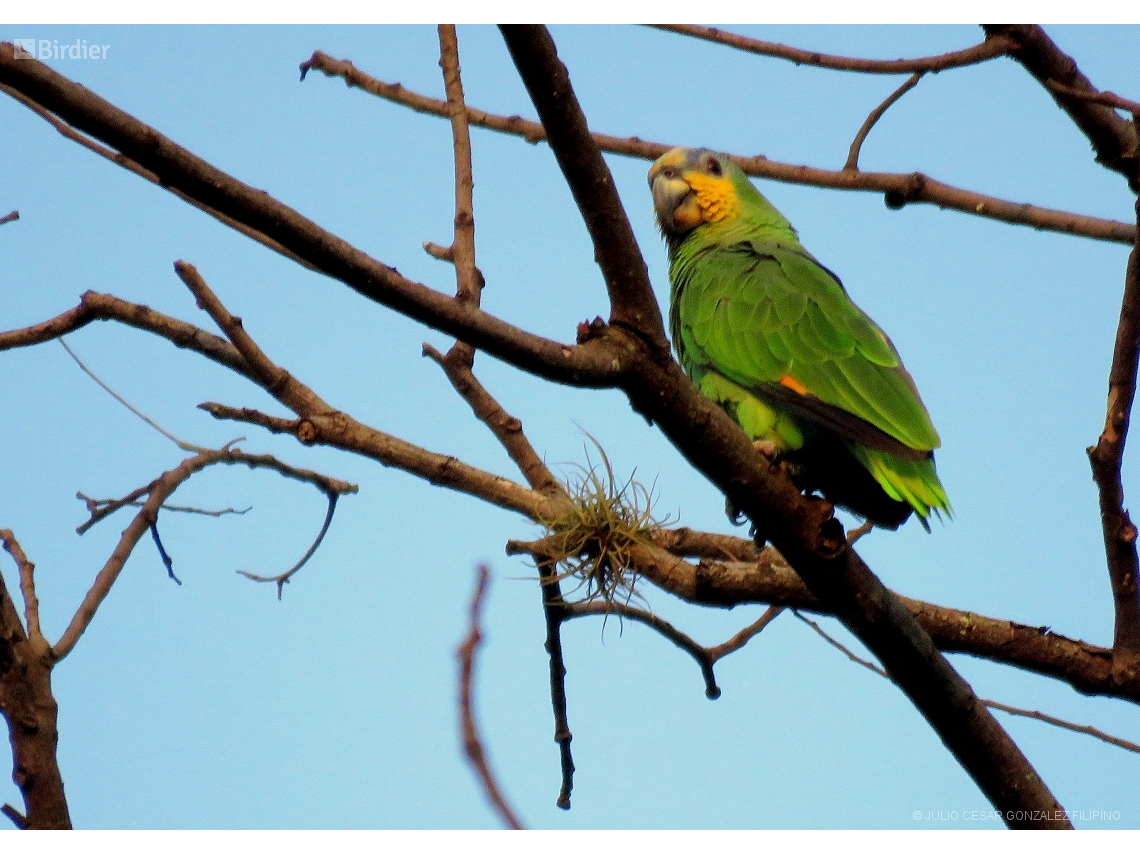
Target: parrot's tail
{"x": 912, "y": 481}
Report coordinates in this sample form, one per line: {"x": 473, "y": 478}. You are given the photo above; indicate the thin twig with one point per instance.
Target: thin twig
{"x": 876, "y": 114}
{"x": 989, "y": 49}
{"x": 555, "y": 613}
{"x": 18, "y": 819}
{"x": 27, "y": 583}
{"x": 95, "y": 504}
{"x": 167, "y": 561}
{"x": 997, "y": 705}
{"x": 706, "y": 657}
{"x": 463, "y": 244}
{"x": 871, "y": 666}
{"x": 157, "y": 492}
{"x": 1109, "y": 99}
{"x": 1106, "y": 457}
{"x": 185, "y": 446}
{"x": 282, "y": 578}
{"x": 1068, "y": 725}
{"x": 9, "y": 218}
{"x": 469, "y": 730}
{"x": 900, "y": 189}
{"x": 745, "y": 635}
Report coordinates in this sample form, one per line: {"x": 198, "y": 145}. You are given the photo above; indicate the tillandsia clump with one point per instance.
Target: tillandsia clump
{"x": 591, "y": 542}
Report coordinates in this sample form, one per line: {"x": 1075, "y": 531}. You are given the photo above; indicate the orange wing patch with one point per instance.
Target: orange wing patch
{"x": 715, "y": 196}
{"x": 794, "y": 384}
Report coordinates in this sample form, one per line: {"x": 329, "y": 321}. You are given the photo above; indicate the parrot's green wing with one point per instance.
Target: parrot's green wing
{"x": 773, "y": 321}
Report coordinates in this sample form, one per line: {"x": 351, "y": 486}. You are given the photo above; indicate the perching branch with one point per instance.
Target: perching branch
{"x": 899, "y": 189}
{"x": 992, "y": 47}
{"x": 852, "y": 162}
{"x": 472, "y": 744}
{"x": 10, "y": 218}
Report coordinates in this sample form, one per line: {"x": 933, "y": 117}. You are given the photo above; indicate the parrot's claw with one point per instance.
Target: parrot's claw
{"x": 734, "y": 514}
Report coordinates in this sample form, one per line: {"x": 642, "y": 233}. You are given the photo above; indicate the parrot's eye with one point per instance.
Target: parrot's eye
{"x": 714, "y": 167}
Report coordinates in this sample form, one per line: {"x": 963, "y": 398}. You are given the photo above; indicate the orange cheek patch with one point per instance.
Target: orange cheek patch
{"x": 794, "y": 384}
{"x": 715, "y": 196}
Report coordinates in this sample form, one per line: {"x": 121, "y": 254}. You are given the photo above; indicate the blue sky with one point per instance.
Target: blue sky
{"x": 214, "y": 705}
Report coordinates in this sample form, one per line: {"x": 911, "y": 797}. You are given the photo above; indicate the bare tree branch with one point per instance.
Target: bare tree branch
{"x": 1109, "y": 99}
{"x": 185, "y": 446}
{"x": 899, "y": 189}
{"x": 876, "y": 114}
{"x": 1018, "y": 711}
{"x": 142, "y": 172}
{"x": 734, "y": 576}
{"x": 1115, "y": 140}
{"x": 10, "y": 218}
{"x": 1067, "y": 725}
{"x": 281, "y": 579}
{"x": 463, "y": 244}
{"x": 591, "y": 365}
{"x": 1106, "y": 458}
{"x": 706, "y": 657}
{"x": 29, "y": 709}
{"x": 18, "y": 819}
{"x": 632, "y": 303}
{"x": 95, "y": 505}
{"x": 472, "y": 745}
{"x": 555, "y": 612}
{"x": 27, "y": 584}
{"x": 992, "y": 47}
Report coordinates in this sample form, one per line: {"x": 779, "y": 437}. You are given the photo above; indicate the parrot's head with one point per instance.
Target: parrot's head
{"x": 695, "y": 186}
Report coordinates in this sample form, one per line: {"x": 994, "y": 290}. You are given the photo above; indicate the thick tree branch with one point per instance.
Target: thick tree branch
{"x": 1115, "y": 140}
{"x": 29, "y": 709}
{"x": 179, "y": 169}
{"x": 142, "y": 172}
{"x": 1106, "y": 458}
{"x": 992, "y": 47}
{"x": 730, "y": 576}
{"x": 899, "y": 189}
{"x": 472, "y": 744}
{"x": 632, "y": 303}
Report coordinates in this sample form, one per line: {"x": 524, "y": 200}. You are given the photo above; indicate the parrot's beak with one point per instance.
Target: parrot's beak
{"x": 674, "y": 200}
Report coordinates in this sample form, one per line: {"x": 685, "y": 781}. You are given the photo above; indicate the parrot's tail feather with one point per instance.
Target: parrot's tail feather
{"x": 914, "y": 482}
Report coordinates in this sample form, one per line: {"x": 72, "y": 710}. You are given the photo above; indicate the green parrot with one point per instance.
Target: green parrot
{"x": 770, "y": 334}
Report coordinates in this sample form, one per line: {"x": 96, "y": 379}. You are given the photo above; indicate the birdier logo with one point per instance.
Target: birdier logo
{"x": 52, "y": 49}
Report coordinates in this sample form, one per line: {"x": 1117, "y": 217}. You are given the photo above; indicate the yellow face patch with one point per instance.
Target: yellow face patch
{"x": 716, "y": 196}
